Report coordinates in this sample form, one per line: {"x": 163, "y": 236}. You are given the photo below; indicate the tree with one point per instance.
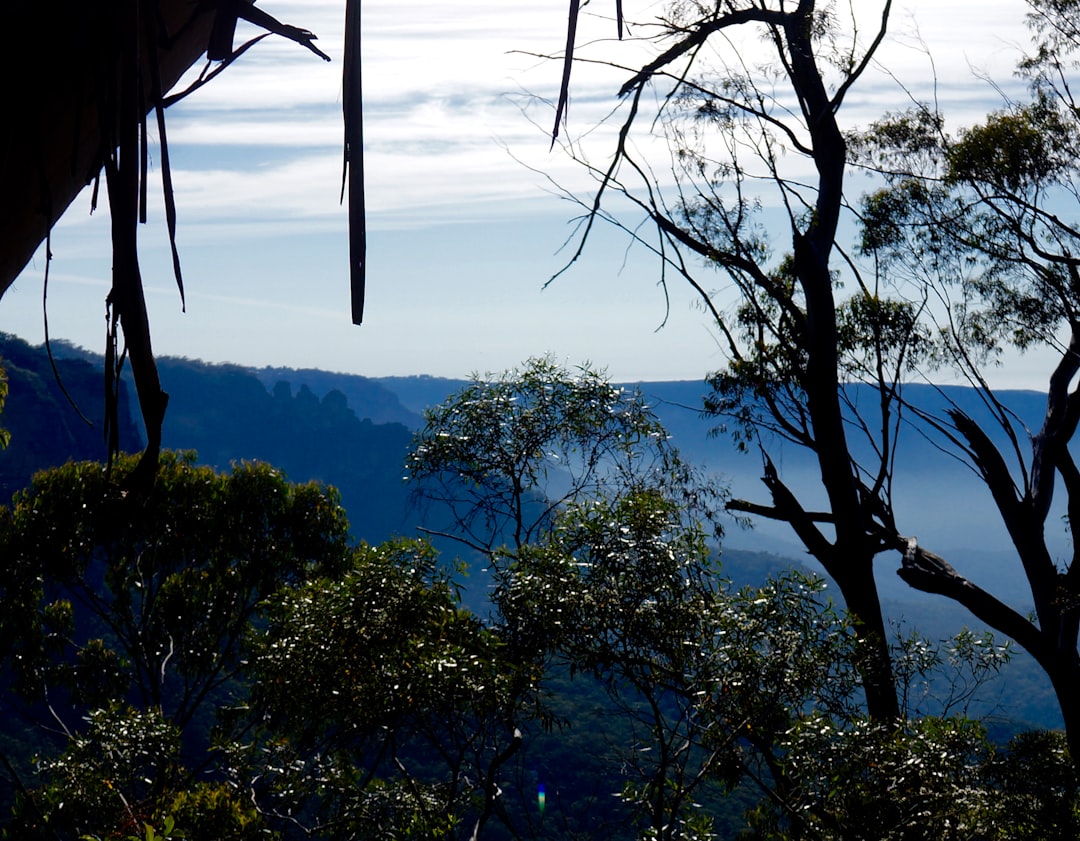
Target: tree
{"x": 500, "y": 457}
{"x": 982, "y": 223}
{"x": 524, "y": 460}
{"x": 120, "y": 778}
{"x": 708, "y": 679}
{"x": 626, "y": 591}
{"x": 117, "y": 62}
{"x": 922, "y": 778}
{"x": 614, "y": 580}
{"x": 744, "y": 134}
{"x": 382, "y": 705}
{"x": 550, "y": 473}
{"x": 116, "y": 598}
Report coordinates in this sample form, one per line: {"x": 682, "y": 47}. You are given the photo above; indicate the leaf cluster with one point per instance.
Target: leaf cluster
{"x": 503, "y": 454}
{"x": 148, "y": 595}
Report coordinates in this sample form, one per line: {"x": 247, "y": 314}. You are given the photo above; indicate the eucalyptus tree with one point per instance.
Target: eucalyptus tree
{"x": 381, "y": 705}
{"x": 708, "y": 680}
{"x": 983, "y": 224}
{"x": 122, "y": 776}
{"x": 499, "y": 458}
{"x": 111, "y": 597}
{"x": 595, "y": 531}
{"x": 751, "y": 95}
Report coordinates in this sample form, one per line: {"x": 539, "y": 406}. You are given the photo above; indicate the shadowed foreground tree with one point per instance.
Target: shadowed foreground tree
{"x": 121, "y": 776}
{"x": 382, "y": 705}
{"x": 982, "y": 228}
{"x": 750, "y": 96}
{"x": 110, "y": 597}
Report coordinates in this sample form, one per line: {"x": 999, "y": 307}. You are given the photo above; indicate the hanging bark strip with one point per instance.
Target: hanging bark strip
{"x": 157, "y": 95}
{"x": 568, "y": 60}
{"x": 126, "y": 301}
{"x": 568, "y": 64}
{"x": 354, "y": 160}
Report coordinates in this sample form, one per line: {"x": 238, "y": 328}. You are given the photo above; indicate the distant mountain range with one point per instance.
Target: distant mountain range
{"x": 353, "y": 432}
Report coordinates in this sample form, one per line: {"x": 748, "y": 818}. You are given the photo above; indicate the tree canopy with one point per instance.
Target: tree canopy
{"x": 501, "y": 456}
{"x": 740, "y": 133}
{"x": 216, "y": 659}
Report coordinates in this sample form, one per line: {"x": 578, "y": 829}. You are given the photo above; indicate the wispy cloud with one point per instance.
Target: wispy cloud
{"x": 441, "y": 84}
{"x": 464, "y": 218}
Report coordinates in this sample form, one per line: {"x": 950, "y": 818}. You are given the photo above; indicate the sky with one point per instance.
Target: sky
{"x": 468, "y": 208}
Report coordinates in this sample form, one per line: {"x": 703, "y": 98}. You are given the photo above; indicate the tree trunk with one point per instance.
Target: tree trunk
{"x": 850, "y": 560}
{"x": 859, "y": 589}
{"x": 1066, "y": 682}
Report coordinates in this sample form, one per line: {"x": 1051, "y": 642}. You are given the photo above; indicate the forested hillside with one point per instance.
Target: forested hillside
{"x": 287, "y": 544}
{"x": 52, "y": 416}
{"x": 225, "y": 414}
{"x": 304, "y": 424}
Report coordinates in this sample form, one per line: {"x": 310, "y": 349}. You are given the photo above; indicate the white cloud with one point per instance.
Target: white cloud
{"x": 441, "y": 84}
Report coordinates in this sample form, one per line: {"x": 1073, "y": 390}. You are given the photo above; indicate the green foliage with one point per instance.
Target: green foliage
{"x": 114, "y": 598}
{"x": 121, "y": 778}
{"x": 212, "y": 810}
{"x": 927, "y": 777}
{"x": 773, "y": 331}
{"x": 902, "y": 142}
{"x": 709, "y": 679}
{"x": 107, "y": 781}
{"x": 971, "y": 213}
{"x": 615, "y": 577}
{"x": 876, "y": 333}
{"x": 377, "y": 685}
{"x": 887, "y": 214}
{"x": 980, "y": 229}
{"x": 1036, "y": 792}
{"x": 1016, "y": 151}
{"x": 111, "y": 593}
{"x": 943, "y": 679}
{"x": 381, "y": 644}
{"x": 862, "y": 780}
{"x": 503, "y": 453}
{"x": 151, "y": 834}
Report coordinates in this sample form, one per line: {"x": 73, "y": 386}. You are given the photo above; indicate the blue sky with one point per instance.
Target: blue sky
{"x": 464, "y": 231}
